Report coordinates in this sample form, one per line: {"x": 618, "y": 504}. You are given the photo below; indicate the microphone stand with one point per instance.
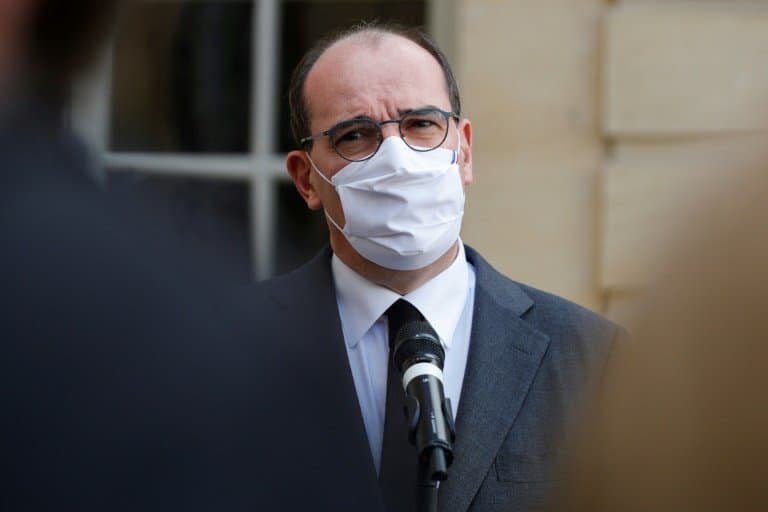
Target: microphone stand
{"x": 432, "y": 469}
{"x": 433, "y": 460}
{"x": 419, "y": 356}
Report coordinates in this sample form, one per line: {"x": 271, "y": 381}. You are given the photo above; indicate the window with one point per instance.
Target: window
{"x": 190, "y": 103}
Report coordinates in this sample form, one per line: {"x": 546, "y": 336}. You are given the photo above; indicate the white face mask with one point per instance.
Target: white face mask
{"x": 403, "y": 208}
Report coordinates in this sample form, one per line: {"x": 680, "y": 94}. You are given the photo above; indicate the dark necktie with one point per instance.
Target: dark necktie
{"x": 399, "y": 464}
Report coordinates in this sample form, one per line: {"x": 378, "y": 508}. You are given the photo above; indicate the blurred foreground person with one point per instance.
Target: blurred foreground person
{"x": 127, "y": 379}
{"x": 684, "y": 420}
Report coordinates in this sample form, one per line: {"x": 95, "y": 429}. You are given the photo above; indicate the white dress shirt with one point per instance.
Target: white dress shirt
{"x": 446, "y": 301}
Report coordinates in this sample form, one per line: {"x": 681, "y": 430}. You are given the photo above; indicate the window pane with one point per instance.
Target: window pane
{"x": 182, "y": 77}
{"x": 209, "y": 215}
{"x": 300, "y": 232}
{"x": 303, "y": 22}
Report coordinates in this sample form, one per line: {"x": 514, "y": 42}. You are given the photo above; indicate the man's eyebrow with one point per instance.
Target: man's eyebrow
{"x": 402, "y": 112}
{"x": 358, "y": 117}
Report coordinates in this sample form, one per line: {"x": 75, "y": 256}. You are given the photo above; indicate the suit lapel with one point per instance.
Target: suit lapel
{"x": 505, "y": 353}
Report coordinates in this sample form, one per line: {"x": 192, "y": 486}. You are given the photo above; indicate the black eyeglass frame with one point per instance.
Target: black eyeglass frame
{"x": 330, "y": 132}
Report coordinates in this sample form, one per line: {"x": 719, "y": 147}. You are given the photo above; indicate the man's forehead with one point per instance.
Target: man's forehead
{"x": 362, "y": 69}
{"x": 366, "y": 45}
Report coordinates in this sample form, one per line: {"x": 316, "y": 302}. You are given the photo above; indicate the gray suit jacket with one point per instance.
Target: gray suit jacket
{"x": 533, "y": 358}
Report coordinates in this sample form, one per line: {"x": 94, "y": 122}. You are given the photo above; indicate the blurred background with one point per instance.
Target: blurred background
{"x": 596, "y": 123}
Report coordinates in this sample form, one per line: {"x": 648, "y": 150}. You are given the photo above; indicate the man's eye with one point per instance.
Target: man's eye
{"x": 356, "y": 134}
{"x": 420, "y": 123}
{"x": 350, "y": 136}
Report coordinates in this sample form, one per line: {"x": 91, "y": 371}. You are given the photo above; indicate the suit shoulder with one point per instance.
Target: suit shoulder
{"x": 562, "y": 319}
{"x": 278, "y": 282}
{"x": 311, "y": 281}
{"x": 552, "y": 315}
{"x": 580, "y": 341}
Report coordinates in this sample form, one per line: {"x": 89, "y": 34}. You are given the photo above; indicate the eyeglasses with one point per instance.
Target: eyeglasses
{"x": 360, "y": 138}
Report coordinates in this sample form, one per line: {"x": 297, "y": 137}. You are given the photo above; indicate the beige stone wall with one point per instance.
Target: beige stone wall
{"x": 686, "y": 104}
{"x": 528, "y": 70}
{"x": 597, "y": 124}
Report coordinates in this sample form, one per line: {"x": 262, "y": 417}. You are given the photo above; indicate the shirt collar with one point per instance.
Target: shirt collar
{"x": 441, "y": 299}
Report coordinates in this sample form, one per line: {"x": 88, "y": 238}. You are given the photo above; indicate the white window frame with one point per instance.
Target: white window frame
{"x": 262, "y": 168}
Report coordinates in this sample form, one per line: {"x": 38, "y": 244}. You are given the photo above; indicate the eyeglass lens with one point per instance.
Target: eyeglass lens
{"x": 421, "y": 130}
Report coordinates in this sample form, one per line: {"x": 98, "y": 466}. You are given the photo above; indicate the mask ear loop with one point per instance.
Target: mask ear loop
{"x": 457, "y": 153}
{"x": 458, "y": 145}
{"x": 318, "y": 171}
{"x": 335, "y": 224}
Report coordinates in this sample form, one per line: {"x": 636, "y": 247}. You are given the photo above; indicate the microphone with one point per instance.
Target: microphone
{"x": 418, "y": 356}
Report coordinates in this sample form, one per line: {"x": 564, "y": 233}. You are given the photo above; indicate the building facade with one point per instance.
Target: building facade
{"x": 594, "y": 122}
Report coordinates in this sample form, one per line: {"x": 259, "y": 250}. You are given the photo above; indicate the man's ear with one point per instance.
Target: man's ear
{"x": 300, "y": 169}
{"x": 465, "y": 159}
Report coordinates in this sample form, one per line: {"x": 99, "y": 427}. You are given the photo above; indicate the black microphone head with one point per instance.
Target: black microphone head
{"x": 417, "y": 342}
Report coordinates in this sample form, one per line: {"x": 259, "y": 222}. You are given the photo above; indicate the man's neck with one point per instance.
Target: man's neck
{"x": 399, "y": 281}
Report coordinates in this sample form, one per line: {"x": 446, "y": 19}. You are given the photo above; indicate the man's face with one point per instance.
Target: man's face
{"x": 381, "y": 81}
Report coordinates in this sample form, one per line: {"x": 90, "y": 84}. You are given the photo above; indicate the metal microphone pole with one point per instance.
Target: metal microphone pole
{"x": 427, "y": 487}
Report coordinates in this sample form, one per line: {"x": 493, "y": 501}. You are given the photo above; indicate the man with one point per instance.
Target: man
{"x": 384, "y": 152}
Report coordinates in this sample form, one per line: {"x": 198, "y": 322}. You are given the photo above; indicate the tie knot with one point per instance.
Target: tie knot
{"x": 399, "y": 314}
